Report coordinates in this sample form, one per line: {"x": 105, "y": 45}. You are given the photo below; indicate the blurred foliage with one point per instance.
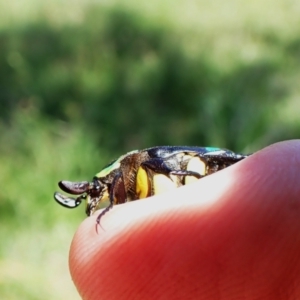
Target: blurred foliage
{"x": 118, "y": 73}
{"x": 82, "y": 84}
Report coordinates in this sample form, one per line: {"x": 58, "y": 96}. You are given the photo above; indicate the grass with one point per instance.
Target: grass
{"x": 37, "y": 232}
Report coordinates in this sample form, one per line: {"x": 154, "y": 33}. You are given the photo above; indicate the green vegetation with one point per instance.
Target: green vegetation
{"x": 80, "y": 84}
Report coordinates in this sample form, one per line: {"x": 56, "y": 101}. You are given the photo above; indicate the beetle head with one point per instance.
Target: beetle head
{"x": 93, "y": 192}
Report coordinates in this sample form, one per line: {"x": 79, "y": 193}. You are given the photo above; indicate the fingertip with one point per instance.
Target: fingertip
{"x": 83, "y": 246}
{"x": 241, "y": 208}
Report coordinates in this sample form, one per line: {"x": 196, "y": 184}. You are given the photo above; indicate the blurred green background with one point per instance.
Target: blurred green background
{"x": 82, "y": 82}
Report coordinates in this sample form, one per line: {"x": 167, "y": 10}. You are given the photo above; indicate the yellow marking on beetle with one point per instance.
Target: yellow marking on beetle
{"x": 105, "y": 196}
{"x": 198, "y": 165}
{"x": 162, "y": 184}
{"x": 100, "y": 204}
{"x": 142, "y": 183}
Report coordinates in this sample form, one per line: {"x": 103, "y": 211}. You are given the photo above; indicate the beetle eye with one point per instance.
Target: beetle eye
{"x": 96, "y": 184}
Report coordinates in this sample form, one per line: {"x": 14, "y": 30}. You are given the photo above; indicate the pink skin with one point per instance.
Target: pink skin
{"x": 231, "y": 235}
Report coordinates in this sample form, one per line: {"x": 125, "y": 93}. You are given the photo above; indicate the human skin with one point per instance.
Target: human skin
{"x": 231, "y": 235}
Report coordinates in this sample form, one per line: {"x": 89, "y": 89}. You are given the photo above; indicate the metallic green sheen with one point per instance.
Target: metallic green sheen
{"x": 108, "y": 169}
{"x": 211, "y": 149}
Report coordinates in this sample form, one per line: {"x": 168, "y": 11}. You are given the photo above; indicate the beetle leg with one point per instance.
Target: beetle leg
{"x": 149, "y": 184}
{"x": 158, "y": 166}
{"x": 117, "y": 194}
{"x": 186, "y": 173}
{"x": 103, "y": 212}
{"x": 225, "y": 155}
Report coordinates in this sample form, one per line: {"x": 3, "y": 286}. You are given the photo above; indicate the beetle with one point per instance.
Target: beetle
{"x": 143, "y": 173}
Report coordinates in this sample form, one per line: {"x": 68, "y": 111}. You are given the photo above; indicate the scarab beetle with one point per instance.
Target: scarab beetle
{"x": 143, "y": 173}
